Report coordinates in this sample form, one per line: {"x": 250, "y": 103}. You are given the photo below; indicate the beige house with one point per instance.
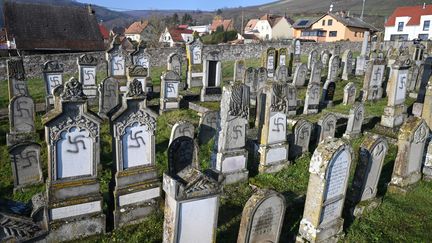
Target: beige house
{"x": 270, "y": 27}
{"x": 140, "y": 31}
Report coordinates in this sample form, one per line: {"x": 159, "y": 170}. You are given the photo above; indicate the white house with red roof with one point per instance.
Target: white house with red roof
{"x": 270, "y": 27}
{"x": 408, "y": 23}
{"x": 176, "y": 36}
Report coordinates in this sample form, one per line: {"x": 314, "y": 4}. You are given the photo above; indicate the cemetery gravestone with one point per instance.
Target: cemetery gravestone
{"x": 292, "y": 100}
{"x": 239, "y": 70}
{"x": 109, "y": 97}
{"x": 88, "y": 76}
{"x": 361, "y": 60}
{"x": 262, "y": 217}
{"x": 118, "y": 59}
{"x": 169, "y": 96}
{"x": 329, "y": 171}
{"x": 373, "y": 80}
{"x": 302, "y": 136}
{"x": 313, "y": 59}
{"x": 53, "y": 76}
{"x": 16, "y": 78}
{"x": 180, "y": 129}
{"x": 355, "y": 121}
{"x": 328, "y": 93}
{"x": 251, "y": 80}
{"x": 139, "y": 73}
{"x": 300, "y": 75}
{"x": 333, "y": 70}
{"x": 270, "y": 61}
{"x": 211, "y": 90}
{"x": 283, "y": 57}
{"x": 312, "y": 99}
{"x": 347, "y": 60}
{"x": 427, "y": 168}
{"x": 427, "y": 104}
{"x": 261, "y": 77}
{"x": 141, "y": 57}
{"x": 325, "y": 58}
{"x": 282, "y": 74}
{"x": 208, "y": 126}
{"x": 315, "y": 76}
{"x": 175, "y": 63}
{"x": 297, "y": 53}
{"x": 194, "y": 58}
{"x": 26, "y": 165}
{"x": 426, "y": 74}
{"x": 349, "y": 94}
{"x": 327, "y": 126}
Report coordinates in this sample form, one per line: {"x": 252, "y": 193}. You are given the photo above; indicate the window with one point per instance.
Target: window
{"x": 332, "y": 33}
{"x": 330, "y": 22}
{"x": 423, "y": 36}
{"x": 426, "y": 25}
{"x": 355, "y": 34}
{"x": 399, "y": 37}
{"x": 400, "y": 26}
{"x": 323, "y": 22}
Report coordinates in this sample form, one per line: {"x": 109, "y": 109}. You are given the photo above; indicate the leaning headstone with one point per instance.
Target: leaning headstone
{"x": 315, "y": 75}
{"x": 282, "y": 74}
{"x": 182, "y": 129}
{"x": 373, "y": 80}
{"x": 350, "y": 93}
{"x": 395, "y": 111}
{"x": 16, "y": 78}
{"x": 211, "y": 90}
{"x": 270, "y": 61}
{"x": 328, "y": 92}
{"x": 109, "y": 97}
{"x": 53, "y": 76}
{"x": 355, "y": 121}
{"x": 137, "y": 186}
{"x": 411, "y": 143}
{"x": 195, "y": 60}
{"x": 302, "y": 137}
{"x": 208, "y": 126}
{"x": 313, "y": 58}
{"x": 312, "y": 100}
{"x": 169, "y": 96}
{"x": 192, "y": 197}
{"x": 273, "y": 146}
{"x": 329, "y": 172}
{"x": 88, "y": 75}
{"x": 239, "y": 70}
{"x": 139, "y": 73}
{"x": 141, "y": 57}
{"x": 231, "y": 158}
{"x": 372, "y": 152}
{"x": 72, "y": 133}
{"x": 327, "y": 126}
{"x": 347, "y": 60}
{"x": 427, "y": 168}
{"x": 300, "y": 75}
{"x": 26, "y": 165}
{"x": 262, "y": 217}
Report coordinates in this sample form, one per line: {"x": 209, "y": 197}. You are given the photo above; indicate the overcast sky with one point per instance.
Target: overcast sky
{"x": 173, "y": 4}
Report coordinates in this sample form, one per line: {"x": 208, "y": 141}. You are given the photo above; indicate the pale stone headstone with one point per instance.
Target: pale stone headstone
{"x": 333, "y": 69}
{"x": 372, "y": 152}
{"x": 272, "y": 127}
{"x": 297, "y": 52}
{"x": 53, "y": 76}
{"x": 231, "y": 158}
{"x": 328, "y": 92}
{"x": 411, "y": 143}
{"x": 21, "y": 115}
{"x": 169, "y": 96}
{"x": 336, "y": 50}
{"x": 16, "y": 78}
{"x": 427, "y": 105}
{"x": 88, "y": 75}
{"x": 355, "y": 121}
{"x": 422, "y": 87}
{"x": 413, "y": 77}
{"x": 182, "y": 129}
{"x": 270, "y": 61}
{"x": 133, "y": 129}
{"x": 329, "y": 172}
{"x": 262, "y": 217}
{"x": 292, "y": 100}
{"x": 361, "y": 60}
{"x": 315, "y": 75}
{"x": 109, "y": 97}
{"x": 373, "y": 80}
{"x": 192, "y": 197}
{"x": 72, "y": 134}
{"x": 325, "y": 58}
{"x": 313, "y": 58}
{"x": 302, "y": 138}
{"x": 195, "y": 60}
{"x": 175, "y": 63}
{"x": 395, "y": 111}
{"x": 25, "y": 163}
{"x": 282, "y": 74}
{"x": 261, "y": 77}
{"x": 350, "y": 93}
{"x": 139, "y": 73}
{"x": 327, "y": 126}
{"x": 312, "y": 100}
{"x": 211, "y": 90}
{"x": 347, "y": 60}
{"x": 300, "y": 75}
{"x": 284, "y": 59}
{"x": 141, "y": 57}
{"x": 118, "y": 60}
{"x": 208, "y": 126}
{"x": 427, "y": 168}
{"x": 239, "y": 70}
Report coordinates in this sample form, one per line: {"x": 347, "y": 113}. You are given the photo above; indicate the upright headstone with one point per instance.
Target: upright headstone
{"x": 53, "y": 76}
{"x": 262, "y": 217}
{"x": 118, "y": 60}
{"x": 251, "y": 80}
{"x": 427, "y": 168}
{"x": 347, "y": 60}
{"x": 208, "y": 126}
{"x": 270, "y": 63}
{"x": 355, "y": 121}
{"x": 315, "y": 75}
{"x": 282, "y": 74}
{"x": 333, "y": 69}
{"x": 325, "y": 58}
{"x": 427, "y": 105}
{"x": 273, "y": 146}
{"x": 292, "y": 100}
{"x": 261, "y": 77}
{"x": 231, "y": 158}
{"x": 26, "y": 165}
{"x": 137, "y": 185}
{"x": 300, "y": 75}
{"x": 16, "y": 78}
{"x": 328, "y": 92}
{"x": 141, "y": 57}
{"x": 336, "y": 50}
{"x": 283, "y": 57}
{"x": 422, "y": 86}
{"x": 411, "y": 143}
{"x": 72, "y": 133}
{"x": 312, "y": 100}
{"x": 211, "y": 90}
{"x": 109, "y": 97}
{"x": 350, "y": 93}
{"x": 88, "y": 75}
{"x": 139, "y": 73}
{"x": 239, "y": 70}
{"x": 302, "y": 137}
{"x": 361, "y": 60}
{"x": 195, "y": 61}
{"x": 373, "y": 80}
{"x": 297, "y": 53}
{"x": 327, "y": 126}
{"x": 313, "y": 58}
{"x": 175, "y": 63}
{"x": 329, "y": 172}
{"x": 192, "y": 197}
{"x": 395, "y": 111}
{"x": 182, "y": 129}
{"x": 169, "y": 96}
{"x": 372, "y": 152}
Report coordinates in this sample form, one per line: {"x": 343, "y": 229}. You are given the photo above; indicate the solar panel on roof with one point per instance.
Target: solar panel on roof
{"x": 303, "y": 22}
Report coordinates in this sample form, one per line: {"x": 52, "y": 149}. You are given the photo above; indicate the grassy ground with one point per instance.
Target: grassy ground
{"x": 398, "y": 219}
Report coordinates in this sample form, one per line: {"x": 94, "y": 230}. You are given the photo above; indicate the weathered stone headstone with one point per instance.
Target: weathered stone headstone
{"x": 292, "y": 100}
{"x": 109, "y": 97}
{"x": 192, "y": 197}
{"x": 208, "y": 126}
{"x": 395, "y": 111}
{"x": 182, "y": 129}
{"x": 141, "y": 57}
{"x": 372, "y": 151}
{"x": 175, "y": 63}
{"x": 325, "y": 58}
{"x": 282, "y": 74}
{"x": 427, "y": 168}
{"x": 239, "y": 70}
{"x": 422, "y": 86}
{"x": 195, "y": 60}
{"x": 333, "y": 69}
{"x": 361, "y": 60}
{"x": 118, "y": 60}
{"x": 427, "y": 105}
{"x": 262, "y": 217}
{"x": 329, "y": 172}
{"x": 313, "y": 58}
{"x": 88, "y": 75}
{"x": 312, "y": 100}
{"x": 283, "y": 57}
{"x": 211, "y": 90}
{"x": 25, "y": 163}
{"x": 328, "y": 92}
{"x": 373, "y": 80}
{"x": 350, "y": 93}
{"x": 355, "y": 121}
{"x": 347, "y": 60}
{"x": 21, "y": 115}
{"x": 336, "y": 50}
{"x": 270, "y": 63}
{"x": 300, "y": 75}
{"x": 297, "y": 53}
{"x": 53, "y": 76}
{"x": 327, "y": 126}
{"x": 137, "y": 186}
{"x": 411, "y": 143}
{"x": 261, "y": 77}
{"x": 169, "y": 96}
{"x": 272, "y": 127}
{"x": 139, "y": 73}
{"x": 16, "y": 78}
{"x": 413, "y": 77}
{"x": 73, "y": 138}
{"x": 231, "y": 158}
{"x": 302, "y": 137}
{"x": 315, "y": 75}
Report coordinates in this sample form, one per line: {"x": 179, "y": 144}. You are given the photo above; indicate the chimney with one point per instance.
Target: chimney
{"x": 424, "y": 5}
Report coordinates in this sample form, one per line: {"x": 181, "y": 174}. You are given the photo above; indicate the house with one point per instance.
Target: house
{"x": 408, "y": 23}
{"x": 50, "y": 28}
{"x": 176, "y": 36}
{"x": 105, "y": 34}
{"x": 140, "y": 31}
{"x": 225, "y": 24}
{"x": 270, "y": 27}
{"x": 200, "y": 29}
{"x": 332, "y": 27}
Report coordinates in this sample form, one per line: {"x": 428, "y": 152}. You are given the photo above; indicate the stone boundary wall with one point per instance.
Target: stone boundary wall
{"x": 33, "y": 63}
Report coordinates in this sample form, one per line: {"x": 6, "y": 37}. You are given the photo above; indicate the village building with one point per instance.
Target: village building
{"x": 105, "y": 34}
{"x": 409, "y": 23}
{"x": 224, "y": 24}
{"x": 200, "y": 29}
{"x": 176, "y": 36}
{"x": 271, "y": 27}
{"x": 140, "y": 31}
